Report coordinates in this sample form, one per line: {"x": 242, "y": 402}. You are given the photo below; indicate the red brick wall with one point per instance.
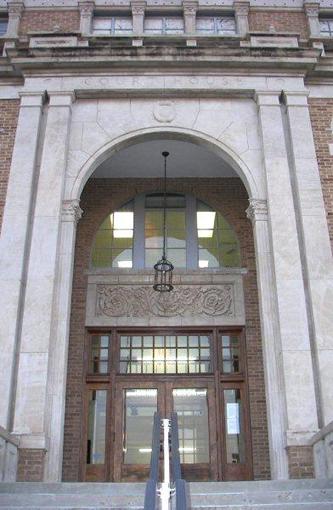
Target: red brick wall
{"x": 47, "y": 20}
{"x": 300, "y": 461}
{"x": 282, "y": 21}
{"x": 98, "y": 199}
{"x": 9, "y": 110}
{"x": 321, "y": 111}
{"x": 30, "y": 465}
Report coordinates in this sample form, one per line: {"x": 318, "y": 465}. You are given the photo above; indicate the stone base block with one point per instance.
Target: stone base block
{"x": 300, "y": 462}
{"x": 30, "y": 465}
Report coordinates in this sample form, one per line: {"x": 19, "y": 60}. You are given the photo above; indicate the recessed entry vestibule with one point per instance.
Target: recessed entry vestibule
{"x": 198, "y": 372}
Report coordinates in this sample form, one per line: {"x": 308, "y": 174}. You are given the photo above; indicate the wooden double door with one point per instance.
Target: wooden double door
{"x": 127, "y": 382}
{"x": 194, "y": 402}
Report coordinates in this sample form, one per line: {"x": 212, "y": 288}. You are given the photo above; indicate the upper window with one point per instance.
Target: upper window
{"x": 196, "y": 235}
{"x": 326, "y": 27}
{"x": 115, "y": 25}
{"x": 166, "y": 25}
{"x": 3, "y": 26}
{"x": 208, "y": 25}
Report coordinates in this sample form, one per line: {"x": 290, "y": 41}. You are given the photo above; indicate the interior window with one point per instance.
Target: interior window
{"x": 217, "y": 25}
{"x": 195, "y": 235}
{"x": 113, "y": 245}
{"x": 115, "y": 25}
{"x": 174, "y": 226}
{"x": 3, "y": 26}
{"x": 164, "y": 25}
{"x": 326, "y": 27}
{"x": 217, "y": 242}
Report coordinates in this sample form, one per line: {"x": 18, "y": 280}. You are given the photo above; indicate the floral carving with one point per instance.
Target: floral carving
{"x": 140, "y": 301}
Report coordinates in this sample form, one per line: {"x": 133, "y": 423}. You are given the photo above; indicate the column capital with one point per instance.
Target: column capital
{"x": 295, "y": 97}
{"x": 267, "y": 97}
{"x": 86, "y": 7}
{"x": 241, "y": 7}
{"x": 61, "y": 98}
{"x": 312, "y": 8}
{"x": 190, "y": 7}
{"x": 32, "y": 98}
{"x": 138, "y": 7}
{"x": 71, "y": 211}
{"x": 257, "y": 210}
{"x": 15, "y": 7}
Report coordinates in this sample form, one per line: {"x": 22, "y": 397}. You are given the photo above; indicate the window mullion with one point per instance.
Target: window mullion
{"x": 191, "y": 233}
{"x": 139, "y": 233}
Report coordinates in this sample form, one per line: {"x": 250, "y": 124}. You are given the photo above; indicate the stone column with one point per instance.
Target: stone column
{"x": 56, "y": 384}
{"x": 241, "y": 9}
{"x": 86, "y": 16}
{"x": 316, "y": 249}
{"x": 272, "y": 349}
{"x": 288, "y": 282}
{"x": 190, "y": 8}
{"x": 138, "y": 15}
{"x": 37, "y": 337}
{"x": 312, "y": 14}
{"x": 15, "y": 10}
{"x": 14, "y": 243}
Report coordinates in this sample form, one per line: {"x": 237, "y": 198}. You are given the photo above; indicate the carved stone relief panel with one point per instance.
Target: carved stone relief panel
{"x": 125, "y": 303}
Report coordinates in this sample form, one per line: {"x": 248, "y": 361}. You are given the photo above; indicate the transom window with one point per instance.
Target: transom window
{"x": 115, "y": 25}
{"x": 166, "y": 25}
{"x": 196, "y": 235}
{"x": 208, "y": 25}
{"x": 165, "y": 354}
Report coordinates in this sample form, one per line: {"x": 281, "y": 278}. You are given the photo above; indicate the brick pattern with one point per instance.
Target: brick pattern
{"x": 282, "y": 21}
{"x": 99, "y": 197}
{"x": 9, "y": 110}
{"x": 48, "y": 20}
{"x": 300, "y": 461}
{"x": 321, "y": 112}
{"x": 30, "y": 465}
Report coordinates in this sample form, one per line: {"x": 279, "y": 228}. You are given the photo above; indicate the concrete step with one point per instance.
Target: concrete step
{"x": 259, "y": 495}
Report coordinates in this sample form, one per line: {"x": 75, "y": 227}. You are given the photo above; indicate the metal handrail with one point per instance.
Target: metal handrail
{"x": 180, "y": 484}
{"x": 171, "y": 446}
{"x": 151, "y": 487}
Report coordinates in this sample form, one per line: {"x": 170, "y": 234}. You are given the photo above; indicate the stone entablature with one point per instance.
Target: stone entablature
{"x": 128, "y": 299}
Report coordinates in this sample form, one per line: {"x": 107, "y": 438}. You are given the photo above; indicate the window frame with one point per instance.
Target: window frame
{"x": 112, "y": 31}
{"x": 4, "y": 22}
{"x": 329, "y": 24}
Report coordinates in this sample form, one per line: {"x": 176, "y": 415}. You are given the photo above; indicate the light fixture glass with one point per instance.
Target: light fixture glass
{"x": 163, "y": 268}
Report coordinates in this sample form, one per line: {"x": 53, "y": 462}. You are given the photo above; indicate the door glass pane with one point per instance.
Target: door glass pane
{"x": 234, "y": 427}
{"x": 192, "y": 408}
{"x": 139, "y": 408}
{"x": 96, "y": 426}
{"x": 230, "y": 354}
{"x": 99, "y": 354}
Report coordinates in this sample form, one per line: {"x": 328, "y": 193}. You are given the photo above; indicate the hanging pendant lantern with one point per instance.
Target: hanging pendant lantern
{"x": 163, "y": 268}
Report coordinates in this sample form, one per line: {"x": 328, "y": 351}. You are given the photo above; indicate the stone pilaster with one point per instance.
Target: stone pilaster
{"x": 190, "y": 8}
{"x": 33, "y": 405}
{"x": 257, "y": 212}
{"x": 312, "y": 14}
{"x": 15, "y": 10}
{"x": 316, "y": 249}
{"x": 287, "y": 283}
{"x": 86, "y": 16}
{"x": 138, "y": 16}
{"x": 14, "y": 243}
{"x": 241, "y": 9}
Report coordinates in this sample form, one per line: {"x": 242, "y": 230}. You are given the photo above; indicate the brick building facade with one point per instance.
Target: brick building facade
{"x": 241, "y": 95}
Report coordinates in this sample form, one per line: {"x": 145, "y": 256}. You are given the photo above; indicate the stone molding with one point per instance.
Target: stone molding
{"x": 71, "y": 211}
{"x": 312, "y": 8}
{"x": 257, "y": 210}
{"x": 86, "y": 7}
{"x": 190, "y": 7}
{"x": 15, "y": 10}
{"x": 143, "y": 301}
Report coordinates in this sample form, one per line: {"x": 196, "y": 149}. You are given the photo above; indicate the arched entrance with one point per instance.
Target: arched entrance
{"x": 217, "y": 407}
